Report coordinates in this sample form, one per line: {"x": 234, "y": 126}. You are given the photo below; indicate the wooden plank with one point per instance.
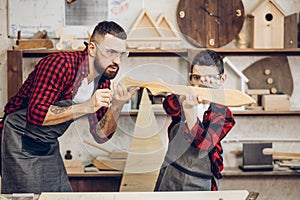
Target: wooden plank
{"x": 191, "y": 195}
{"x": 14, "y": 72}
{"x": 105, "y": 163}
{"x": 34, "y": 43}
{"x": 276, "y": 155}
{"x": 146, "y": 152}
{"x": 281, "y": 155}
{"x": 111, "y": 154}
{"x": 258, "y": 91}
{"x": 290, "y": 31}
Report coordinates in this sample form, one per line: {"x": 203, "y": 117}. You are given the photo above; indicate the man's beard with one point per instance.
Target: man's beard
{"x": 108, "y": 75}
{"x": 104, "y": 73}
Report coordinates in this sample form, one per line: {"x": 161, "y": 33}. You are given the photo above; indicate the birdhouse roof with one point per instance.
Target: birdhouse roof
{"x": 263, "y": 5}
{"x": 234, "y": 68}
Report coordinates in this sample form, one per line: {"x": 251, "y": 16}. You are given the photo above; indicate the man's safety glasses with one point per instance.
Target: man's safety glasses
{"x": 111, "y": 53}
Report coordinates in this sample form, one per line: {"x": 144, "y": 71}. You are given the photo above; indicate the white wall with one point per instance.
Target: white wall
{"x": 154, "y": 8}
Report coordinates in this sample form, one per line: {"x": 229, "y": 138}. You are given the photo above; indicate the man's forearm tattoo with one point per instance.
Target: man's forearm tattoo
{"x": 101, "y": 123}
{"x": 58, "y": 110}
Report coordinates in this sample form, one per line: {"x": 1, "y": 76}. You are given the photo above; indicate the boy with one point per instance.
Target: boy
{"x": 194, "y": 159}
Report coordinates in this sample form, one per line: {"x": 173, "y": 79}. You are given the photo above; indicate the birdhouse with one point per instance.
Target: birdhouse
{"x": 267, "y": 21}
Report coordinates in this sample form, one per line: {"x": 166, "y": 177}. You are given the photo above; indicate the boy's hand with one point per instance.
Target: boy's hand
{"x": 189, "y": 101}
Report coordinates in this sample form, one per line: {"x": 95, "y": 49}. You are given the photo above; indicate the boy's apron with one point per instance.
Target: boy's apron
{"x": 31, "y": 160}
{"x": 184, "y": 167}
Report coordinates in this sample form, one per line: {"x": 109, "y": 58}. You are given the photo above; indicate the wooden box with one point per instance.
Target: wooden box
{"x": 276, "y": 102}
{"x": 73, "y": 166}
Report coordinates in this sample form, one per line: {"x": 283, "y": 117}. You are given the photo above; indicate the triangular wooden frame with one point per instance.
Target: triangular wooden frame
{"x": 140, "y": 24}
{"x": 163, "y": 23}
{"x": 146, "y": 152}
{"x": 147, "y": 33}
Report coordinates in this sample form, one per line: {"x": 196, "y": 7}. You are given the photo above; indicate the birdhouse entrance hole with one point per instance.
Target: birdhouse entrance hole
{"x": 269, "y": 17}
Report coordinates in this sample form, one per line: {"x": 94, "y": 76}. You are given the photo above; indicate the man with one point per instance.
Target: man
{"x": 194, "y": 152}
{"x": 62, "y": 88}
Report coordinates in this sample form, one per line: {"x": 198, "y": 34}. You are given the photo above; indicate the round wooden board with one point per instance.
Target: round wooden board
{"x": 207, "y": 23}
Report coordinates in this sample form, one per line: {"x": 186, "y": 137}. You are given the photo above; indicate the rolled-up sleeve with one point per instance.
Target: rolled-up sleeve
{"x": 50, "y": 77}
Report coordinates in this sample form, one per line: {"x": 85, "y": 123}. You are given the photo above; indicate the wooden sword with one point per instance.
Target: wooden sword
{"x": 227, "y": 97}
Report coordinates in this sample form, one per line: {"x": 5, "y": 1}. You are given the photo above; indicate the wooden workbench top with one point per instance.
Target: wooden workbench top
{"x": 208, "y": 195}
{"x": 228, "y": 171}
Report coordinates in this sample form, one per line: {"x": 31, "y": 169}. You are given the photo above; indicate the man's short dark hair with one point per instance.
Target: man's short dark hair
{"x": 109, "y": 27}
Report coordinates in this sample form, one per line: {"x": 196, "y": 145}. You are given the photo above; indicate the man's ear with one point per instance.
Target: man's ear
{"x": 92, "y": 49}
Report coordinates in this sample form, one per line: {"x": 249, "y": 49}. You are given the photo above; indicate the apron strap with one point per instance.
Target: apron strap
{"x": 186, "y": 171}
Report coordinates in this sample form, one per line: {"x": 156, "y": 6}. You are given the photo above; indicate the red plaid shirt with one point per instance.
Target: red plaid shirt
{"x": 206, "y": 135}
{"x": 56, "y": 77}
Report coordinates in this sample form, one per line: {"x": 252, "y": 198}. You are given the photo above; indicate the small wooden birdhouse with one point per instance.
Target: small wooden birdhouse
{"x": 267, "y": 21}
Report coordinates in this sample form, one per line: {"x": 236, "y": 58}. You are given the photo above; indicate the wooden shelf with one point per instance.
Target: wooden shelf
{"x": 262, "y": 112}
{"x": 257, "y": 52}
{"x": 15, "y": 58}
{"x": 174, "y": 52}
{"x": 232, "y": 171}
{"x": 158, "y": 52}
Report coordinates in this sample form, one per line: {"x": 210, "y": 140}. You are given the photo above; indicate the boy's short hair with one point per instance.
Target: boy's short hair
{"x": 208, "y": 58}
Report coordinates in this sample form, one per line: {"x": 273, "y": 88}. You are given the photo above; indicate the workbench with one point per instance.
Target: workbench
{"x": 266, "y": 183}
{"x": 207, "y": 195}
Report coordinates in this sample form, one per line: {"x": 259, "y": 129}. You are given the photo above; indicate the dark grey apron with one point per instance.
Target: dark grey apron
{"x": 184, "y": 167}
{"x": 31, "y": 160}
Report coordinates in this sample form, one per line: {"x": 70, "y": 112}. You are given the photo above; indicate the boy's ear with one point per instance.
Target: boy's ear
{"x": 224, "y": 77}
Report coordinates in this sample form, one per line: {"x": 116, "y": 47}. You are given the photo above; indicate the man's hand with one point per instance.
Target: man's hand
{"x": 108, "y": 124}
{"x": 101, "y": 98}
{"x": 121, "y": 94}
